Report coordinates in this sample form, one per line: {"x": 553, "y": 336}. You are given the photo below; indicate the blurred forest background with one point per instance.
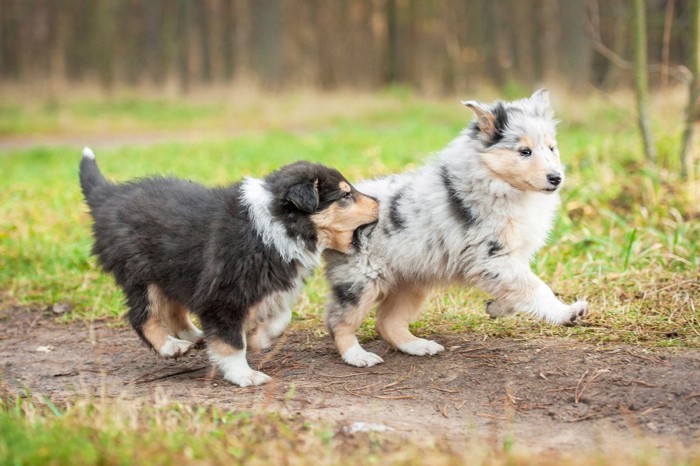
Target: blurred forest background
{"x": 433, "y": 46}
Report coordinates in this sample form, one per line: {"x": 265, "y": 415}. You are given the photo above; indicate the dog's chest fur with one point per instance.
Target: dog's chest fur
{"x": 442, "y": 221}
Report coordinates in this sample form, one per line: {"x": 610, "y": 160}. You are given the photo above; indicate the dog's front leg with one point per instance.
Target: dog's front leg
{"x": 233, "y": 364}
{"x": 516, "y": 288}
{"x": 399, "y": 307}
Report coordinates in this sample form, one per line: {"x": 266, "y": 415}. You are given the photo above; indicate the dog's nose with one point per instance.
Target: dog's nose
{"x": 554, "y": 179}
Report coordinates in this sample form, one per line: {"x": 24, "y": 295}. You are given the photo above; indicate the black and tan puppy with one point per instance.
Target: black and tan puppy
{"x": 235, "y": 256}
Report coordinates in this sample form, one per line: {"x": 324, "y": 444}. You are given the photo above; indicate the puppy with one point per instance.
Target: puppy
{"x": 473, "y": 215}
{"x": 235, "y": 256}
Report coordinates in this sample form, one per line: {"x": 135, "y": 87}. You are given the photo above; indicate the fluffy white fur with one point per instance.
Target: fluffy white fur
{"x": 236, "y": 370}
{"x": 461, "y": 218}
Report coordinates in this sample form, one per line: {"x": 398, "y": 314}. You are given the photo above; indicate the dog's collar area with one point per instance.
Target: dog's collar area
{"x": 272, "y": 232}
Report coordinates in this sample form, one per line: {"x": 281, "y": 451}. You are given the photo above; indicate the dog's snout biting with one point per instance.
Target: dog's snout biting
{"x": 554, "y": 179}
{"x": 372, "y": 207}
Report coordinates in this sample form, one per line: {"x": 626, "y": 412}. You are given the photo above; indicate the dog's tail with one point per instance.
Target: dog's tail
{"x": 90, "y": 175}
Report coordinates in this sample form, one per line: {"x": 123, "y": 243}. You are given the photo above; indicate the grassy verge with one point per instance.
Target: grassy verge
{"x": 109, "y": 432}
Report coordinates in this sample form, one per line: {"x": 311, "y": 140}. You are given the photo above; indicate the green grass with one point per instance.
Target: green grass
{"x": 111, "y": 432}
{"x": 627, "y": 237}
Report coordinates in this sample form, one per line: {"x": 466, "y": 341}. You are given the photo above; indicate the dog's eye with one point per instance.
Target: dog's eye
{"x": 552, "y": 148}
{"x": 525, "y": 152}
{"x": 347, "y": 195}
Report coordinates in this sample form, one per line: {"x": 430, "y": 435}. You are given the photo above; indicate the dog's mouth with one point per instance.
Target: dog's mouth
{"x": 548, "y": 189}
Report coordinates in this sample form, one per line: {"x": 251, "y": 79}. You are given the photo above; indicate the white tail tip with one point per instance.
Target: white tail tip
{"x": 87, "y": 152}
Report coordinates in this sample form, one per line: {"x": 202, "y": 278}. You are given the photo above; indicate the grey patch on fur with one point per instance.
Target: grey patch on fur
{"x": 397, "y": 220}
{"x": 460, "y": 210}
{"x": 494, "y": 248}
{"x": 345, "y": 294}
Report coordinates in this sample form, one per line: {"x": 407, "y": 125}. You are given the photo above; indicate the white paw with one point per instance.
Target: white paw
{"x": 195, "y": 335}
{"x": 247, "y": 378}
{"x": 421, "y": 347}
{"x": 175, "y": 347}
{"x": 575, "y": 312}
{"x": 497, "y": 309}
{"x": 356, "y": 356}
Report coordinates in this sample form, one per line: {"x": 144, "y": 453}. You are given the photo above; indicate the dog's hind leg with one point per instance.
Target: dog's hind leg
{"x": 147, "y": 308}
{"x": 346, "y": 311}
{"x": 177, "y": 318}
{"x": 400, "y": 307}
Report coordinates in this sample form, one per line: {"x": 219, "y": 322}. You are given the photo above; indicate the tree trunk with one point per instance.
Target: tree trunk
{"x": 201, "y": 17}
{"x": 183, "y": 45}
{"x": 227, "y": 39}
{"x": 266, "y": 21}
{"x": 392, "y": 43}
{"x": 640, "y": 79}
{"x": 692, "y": 115}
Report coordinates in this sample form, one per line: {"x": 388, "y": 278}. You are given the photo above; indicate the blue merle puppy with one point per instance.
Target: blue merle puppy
{"x": 473, "y": 215}
{"x": 235, "y": 256}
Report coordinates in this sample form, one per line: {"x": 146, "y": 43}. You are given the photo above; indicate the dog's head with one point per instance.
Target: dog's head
{"x": 317, "y": 203}
{"x": 518, "y": 142}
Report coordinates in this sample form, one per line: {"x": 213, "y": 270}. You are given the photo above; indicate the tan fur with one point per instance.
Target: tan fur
{"x": 526, "y": 174}
{"x": 255, "y": 324}
{"x": 336, "y": 225}
{"x": 166, "y": 316}
{"x": 485, "y": 119}
{"x": 154, "y": 329}
{"x": 177, "y": 319}
{"x": 155, "y": 333}
{"x": 399, "y": 308}
{"x": 220, "y": 348}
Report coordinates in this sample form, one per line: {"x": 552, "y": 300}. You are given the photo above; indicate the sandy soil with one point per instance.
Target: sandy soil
{"x": 547, "y": 393}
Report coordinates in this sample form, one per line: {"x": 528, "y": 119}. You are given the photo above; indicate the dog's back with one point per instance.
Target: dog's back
{"x": 157, "y": 217}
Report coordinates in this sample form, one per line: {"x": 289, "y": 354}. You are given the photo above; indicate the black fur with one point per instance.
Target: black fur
{"x": 494, "y": 248}
{"x": 346, "y": 294}
{"x": 500, "y": 122}
{"x": 361, "y": 234}
{"x": 459, "y": 209}
{"x": 397, "y": 220}
{"x": 284, "y": 186}
{"x": 197, "y": 244}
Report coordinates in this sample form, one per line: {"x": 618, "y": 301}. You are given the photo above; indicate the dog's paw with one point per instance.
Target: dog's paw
{"x": 174, "y": 347}
{"x": 248, "y": 378}
{"x": 575, "y": 312}
{"x": 421, "y": 347}
{"x": 496, "y": 309}
{"x": 356, "y": 356}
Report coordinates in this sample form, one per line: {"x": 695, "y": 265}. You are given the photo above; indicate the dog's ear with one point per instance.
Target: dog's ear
{"x": 304, "y": 196}
{"x": 491, "y": 122}
{"x": 541, "y": 99}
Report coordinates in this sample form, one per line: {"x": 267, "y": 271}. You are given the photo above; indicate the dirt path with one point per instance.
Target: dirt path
{"x": 545, "y": 393}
